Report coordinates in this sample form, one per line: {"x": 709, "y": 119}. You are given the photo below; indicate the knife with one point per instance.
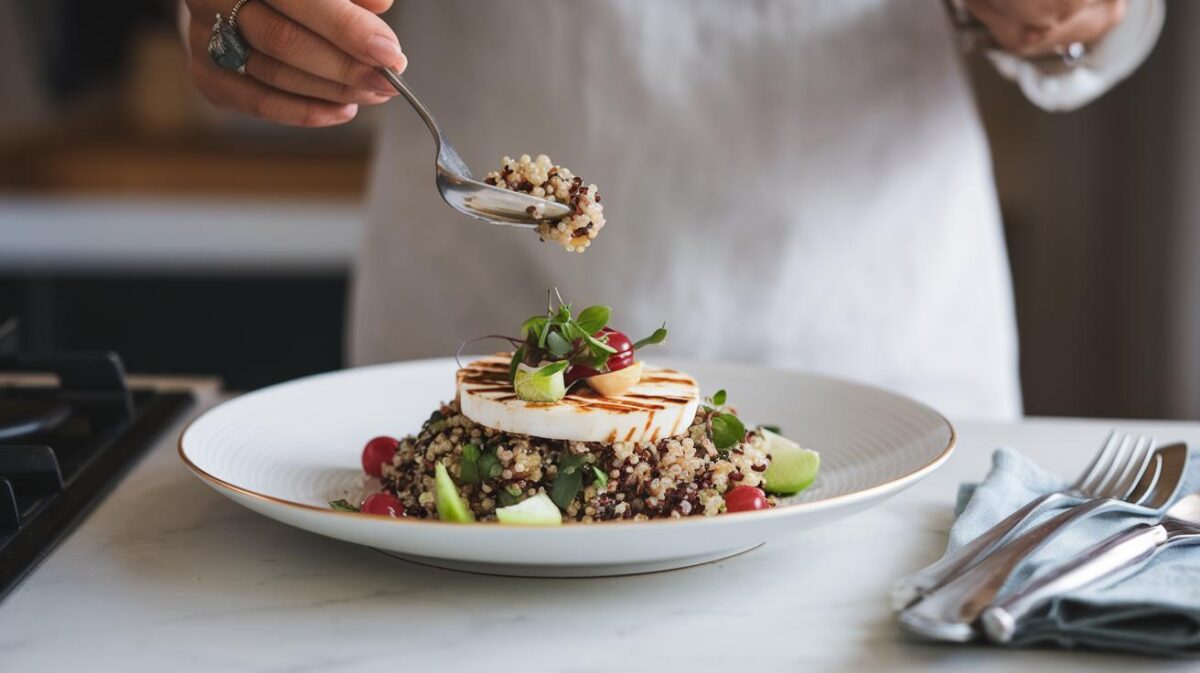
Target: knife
{"x": 1108, "y": 562}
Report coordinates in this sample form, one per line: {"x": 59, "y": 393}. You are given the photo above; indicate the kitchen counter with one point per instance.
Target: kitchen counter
{"x": 168, "y": 575}
{"x": 216, "y": 234}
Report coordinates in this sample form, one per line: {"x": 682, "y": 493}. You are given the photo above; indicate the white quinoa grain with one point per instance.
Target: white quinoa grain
{"x": 540, "y": 177}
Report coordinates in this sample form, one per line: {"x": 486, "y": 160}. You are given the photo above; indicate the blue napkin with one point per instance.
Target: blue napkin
{"x": 1156, "y": 611}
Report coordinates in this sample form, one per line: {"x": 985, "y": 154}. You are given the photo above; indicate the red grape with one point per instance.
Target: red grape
{"x": 383, "y": 503}
{"x": 619, "y": 360}
{"x": 378, "y": 452}
{"x": 745, "y": 499}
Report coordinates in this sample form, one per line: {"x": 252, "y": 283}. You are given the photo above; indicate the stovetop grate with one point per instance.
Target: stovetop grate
{"x": 66, "y": 446}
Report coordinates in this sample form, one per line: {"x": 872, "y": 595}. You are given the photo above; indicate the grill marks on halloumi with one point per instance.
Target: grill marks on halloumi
{"x": 662, "y": 404}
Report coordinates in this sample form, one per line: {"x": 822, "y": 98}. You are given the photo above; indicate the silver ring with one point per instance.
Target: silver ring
{"x": 1071, "y": 54}
{"x": 227, "y": 47}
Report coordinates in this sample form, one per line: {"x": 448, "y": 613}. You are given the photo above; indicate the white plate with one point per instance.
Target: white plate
{"x": 287, "y": 450}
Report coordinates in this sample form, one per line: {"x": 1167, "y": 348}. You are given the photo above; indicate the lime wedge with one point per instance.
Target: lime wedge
{"x": 539, "y": 510}
{"x": 450, "y": 505}
{"x": 540, "y": 385}
{"x": 792, "y": 468}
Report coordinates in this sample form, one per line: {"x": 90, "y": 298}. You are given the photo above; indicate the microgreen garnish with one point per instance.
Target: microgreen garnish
{"x": 477, "y": 464}
{"x": 468, "y": 468}
{"x": 489, "y": 466}
{"x": 772, "y": 428}
{"x": 659, "y": 336}
{"x": 343, "y": 506}
{"x": 551, "y": 369}
{"x": 601, "y": 477}
{"x": 510, "y": 495}
{"x": 568, "y": 481}
{"x": 725, "y": 428}
{"x": 562, "y": 336}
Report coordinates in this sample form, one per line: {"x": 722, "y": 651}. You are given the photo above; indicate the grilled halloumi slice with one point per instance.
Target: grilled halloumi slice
{"x": 662, "y": 404}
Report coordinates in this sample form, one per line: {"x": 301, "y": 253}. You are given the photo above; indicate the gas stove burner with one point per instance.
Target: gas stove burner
{"x": 64, "y": 444}
{"x": 24, "y": 417}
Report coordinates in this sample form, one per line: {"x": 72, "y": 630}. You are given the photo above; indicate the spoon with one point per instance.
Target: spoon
{"x": 950, "y": 611}
{"x": 469, "y": 196}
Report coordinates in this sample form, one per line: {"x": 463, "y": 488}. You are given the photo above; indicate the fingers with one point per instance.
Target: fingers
{"x": 278, "y": 36}
{"x": 1090, "y": 24}
{"x": 1012, "y": 35}
{"x": 353, "y": 29}
{"x": 311, "y": 62}
{"x": 374, "y": 6}
{"x": 1089, "y": 21}
{"x": 284, "y": 77}
{"x": 249, "y": 96}
{"x": 1039, "y": 13}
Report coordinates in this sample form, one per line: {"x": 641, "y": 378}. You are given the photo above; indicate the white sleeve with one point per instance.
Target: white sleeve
{"x": 1112, "y": 59}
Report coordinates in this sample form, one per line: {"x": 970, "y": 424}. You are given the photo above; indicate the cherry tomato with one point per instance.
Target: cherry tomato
{"x": 624, "y": 347}
{"x": 377, "y": 452}
{"x": 745, "y": 499}
{"x": 383, "y": 503}
{"x": 619, "y": 360}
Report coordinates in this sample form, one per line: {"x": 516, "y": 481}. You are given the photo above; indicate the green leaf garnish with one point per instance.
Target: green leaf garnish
{"x": 718, "y": 398}
{"x": 509, "y": 496}
{"x": 488, "y": 466}
{"x": 557, "y": 345}
{"x": 552, "y": 368}
{"x": 561, "y": 336}
{"x": 593, "y": 319}
{"x": 659, "y": 336}
{"x": 566, "y": 487}
{"x": 772, "y": 428}
{"x": 468, "y": 467}
{"x": 568, "y": 481}
{"x": 343, "y": 506}
{"x": 601, "y": 477}
{"x": 597, "y": 345}
{"x": 727, "y": 430}
{"x": 516, "y": 362}
{"x": 533, "y": 325}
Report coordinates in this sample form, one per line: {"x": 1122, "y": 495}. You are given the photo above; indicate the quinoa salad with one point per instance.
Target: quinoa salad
{"x": 572, "y": 427}
{"x": 540, "y": 177}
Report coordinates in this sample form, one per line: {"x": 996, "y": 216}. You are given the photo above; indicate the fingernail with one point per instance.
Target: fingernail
{"x": 384, "y": 50}
{"x": 382, "y": 85}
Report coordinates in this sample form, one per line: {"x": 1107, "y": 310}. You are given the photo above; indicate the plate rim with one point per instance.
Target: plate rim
{"x": 892, "y": 485}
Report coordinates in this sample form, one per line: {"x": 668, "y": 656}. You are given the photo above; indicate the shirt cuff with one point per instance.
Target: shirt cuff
{"x": 1061, "y": 89}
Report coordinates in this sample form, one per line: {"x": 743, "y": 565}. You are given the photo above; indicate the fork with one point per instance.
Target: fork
{"x": 1113, "y": 466}
{"x": 949, "y": 612}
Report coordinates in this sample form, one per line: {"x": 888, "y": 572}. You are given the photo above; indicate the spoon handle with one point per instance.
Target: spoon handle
{"x": 907, "y": 590}
{"x": 1112, "y": 559}
{"x": 427, "y": 117}
{"x": 949, "y": 612}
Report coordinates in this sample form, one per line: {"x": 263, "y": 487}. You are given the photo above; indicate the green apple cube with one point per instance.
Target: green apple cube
{"x": 450, "y": 505}
{"x": 540, "y": 385}
{"x": 538, "y": 510}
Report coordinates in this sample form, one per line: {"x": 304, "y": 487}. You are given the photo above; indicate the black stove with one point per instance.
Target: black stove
{"x": 63, "y": 445}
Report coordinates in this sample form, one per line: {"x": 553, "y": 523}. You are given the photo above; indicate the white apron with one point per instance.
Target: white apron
{"x": 804, "y": 184}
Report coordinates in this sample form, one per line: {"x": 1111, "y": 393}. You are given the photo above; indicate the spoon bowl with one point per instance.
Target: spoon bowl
{"x": 462, "y": 192}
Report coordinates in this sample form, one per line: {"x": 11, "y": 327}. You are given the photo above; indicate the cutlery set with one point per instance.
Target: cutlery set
{"x": 960, "y": 598}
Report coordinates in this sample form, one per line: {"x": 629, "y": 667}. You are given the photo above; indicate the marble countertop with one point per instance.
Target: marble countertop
{"x": 168, "y": 575}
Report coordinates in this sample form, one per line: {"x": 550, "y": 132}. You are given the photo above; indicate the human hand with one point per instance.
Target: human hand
{"x": 1041, "y": 27}
{"x": 312, "y": 62}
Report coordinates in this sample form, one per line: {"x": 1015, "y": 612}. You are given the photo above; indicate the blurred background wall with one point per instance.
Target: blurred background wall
{"x": 135, "y": 218}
